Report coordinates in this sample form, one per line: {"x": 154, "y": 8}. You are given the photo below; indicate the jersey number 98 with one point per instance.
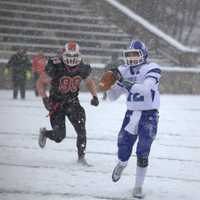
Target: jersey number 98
{"x": 69, "y": 84}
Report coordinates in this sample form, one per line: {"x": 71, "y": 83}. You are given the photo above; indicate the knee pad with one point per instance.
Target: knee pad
{"x": 60, "y": 135}
{"x": 142, "y": 162}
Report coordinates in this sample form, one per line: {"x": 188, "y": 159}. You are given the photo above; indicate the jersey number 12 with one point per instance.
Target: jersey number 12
{"x": 135, "y": 97}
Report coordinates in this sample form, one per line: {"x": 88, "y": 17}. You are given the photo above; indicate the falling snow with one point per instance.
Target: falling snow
{"x": 28, "y": 173}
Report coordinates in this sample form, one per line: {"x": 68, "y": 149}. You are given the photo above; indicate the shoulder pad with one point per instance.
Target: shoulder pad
{"x": 85, "y": 70}
{"x": 123, "y": 68}
{"x": 153, "y": 65}
{"x": 82, "y": 64}
{"x": 153, "y": 70}
{"x": 55, "y": 60}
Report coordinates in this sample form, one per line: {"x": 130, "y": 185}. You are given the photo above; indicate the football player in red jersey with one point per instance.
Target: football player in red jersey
{"x": 65, "y": 75}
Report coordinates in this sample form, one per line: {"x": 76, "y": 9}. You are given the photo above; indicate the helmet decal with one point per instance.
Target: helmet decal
{"x": 72, "y": 46}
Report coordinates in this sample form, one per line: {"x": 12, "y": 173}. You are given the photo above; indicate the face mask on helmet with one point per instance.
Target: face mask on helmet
{"x": 133, "y": 57}
{"x": 136, "y": 54}
{"x": 71, "y": 55}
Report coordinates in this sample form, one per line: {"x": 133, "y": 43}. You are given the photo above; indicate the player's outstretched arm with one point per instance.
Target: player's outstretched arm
{"x": 41, "y": 84}
{"x": 91, "y": 86}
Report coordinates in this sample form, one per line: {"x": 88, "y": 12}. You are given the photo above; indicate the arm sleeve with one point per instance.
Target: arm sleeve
{"x": 154, "y": 73}
{"x": 50, "y": 69}
{"x": 86, "y": 71}
{"x": 115, "y": 92}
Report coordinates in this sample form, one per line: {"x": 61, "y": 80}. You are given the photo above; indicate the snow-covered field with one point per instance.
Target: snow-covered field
{"x": 29, "y": 173}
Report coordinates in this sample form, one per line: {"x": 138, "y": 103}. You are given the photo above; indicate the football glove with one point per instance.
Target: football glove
{"x": 126, "y": 84}
{"x": 94, "y": 101}
{"x": 116, "y": 73}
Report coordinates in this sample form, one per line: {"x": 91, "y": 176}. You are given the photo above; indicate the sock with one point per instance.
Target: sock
{"x": 123, "y": 163}
{"x": 140, "y": 176}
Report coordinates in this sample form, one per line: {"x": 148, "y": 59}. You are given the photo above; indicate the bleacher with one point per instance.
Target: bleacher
{"x": 48, "y": 25}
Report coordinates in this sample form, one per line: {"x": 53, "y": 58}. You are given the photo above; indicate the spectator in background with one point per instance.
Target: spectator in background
{"x": 38, "y": 64}
{"x": 20, "y": 66}
{"x": 113, "y": 63}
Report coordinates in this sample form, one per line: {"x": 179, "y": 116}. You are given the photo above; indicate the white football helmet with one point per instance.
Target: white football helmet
{"x": 136, "y": 54}
{"x": 71, "y": 55}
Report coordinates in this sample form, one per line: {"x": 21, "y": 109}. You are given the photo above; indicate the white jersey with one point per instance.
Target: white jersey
{"x": 144, "y": 94}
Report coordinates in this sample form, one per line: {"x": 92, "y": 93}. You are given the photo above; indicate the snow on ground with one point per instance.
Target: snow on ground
{"x": 29, "y": 173}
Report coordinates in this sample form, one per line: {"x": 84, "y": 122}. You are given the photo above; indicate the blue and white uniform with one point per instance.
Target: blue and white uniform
{"x": 143, "y": 102}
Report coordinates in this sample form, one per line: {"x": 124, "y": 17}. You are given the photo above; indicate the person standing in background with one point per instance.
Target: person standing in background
{"x": 20, "y": 66}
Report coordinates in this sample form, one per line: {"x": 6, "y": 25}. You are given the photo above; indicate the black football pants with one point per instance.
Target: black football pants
{"x": 19, "y": 85}
{"x": 35, "y": 79}
{"x": 76, "y": 115}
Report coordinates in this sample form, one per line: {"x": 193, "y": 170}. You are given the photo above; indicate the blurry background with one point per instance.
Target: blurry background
{"x": 170, "y": 30}
{"x": 103, "y": 28}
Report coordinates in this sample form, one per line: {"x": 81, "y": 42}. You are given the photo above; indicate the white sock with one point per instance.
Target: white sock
{"x": 123, "y": 163}
{"x": 140, "y": 176}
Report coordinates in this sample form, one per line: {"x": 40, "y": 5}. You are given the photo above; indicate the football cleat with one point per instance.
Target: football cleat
{"x": 117, "y": 172}
{"x": 138, "y": 193}
{"x": 42, "y": 138}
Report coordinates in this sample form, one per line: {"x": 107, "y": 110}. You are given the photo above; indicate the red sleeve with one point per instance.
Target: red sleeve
{"x": 41, "y": 64}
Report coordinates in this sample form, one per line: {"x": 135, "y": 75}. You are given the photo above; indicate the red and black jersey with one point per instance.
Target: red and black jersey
{"x": 66, "y": 80}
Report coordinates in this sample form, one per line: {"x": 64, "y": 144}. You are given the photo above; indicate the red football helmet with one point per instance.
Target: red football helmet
{"x": 71, "y": 55}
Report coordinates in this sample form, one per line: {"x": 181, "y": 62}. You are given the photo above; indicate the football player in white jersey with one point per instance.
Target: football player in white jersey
{"x": 139, "y": 80}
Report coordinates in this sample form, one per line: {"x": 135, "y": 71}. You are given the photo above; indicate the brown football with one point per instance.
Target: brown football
{"x": 106, "y": 81}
